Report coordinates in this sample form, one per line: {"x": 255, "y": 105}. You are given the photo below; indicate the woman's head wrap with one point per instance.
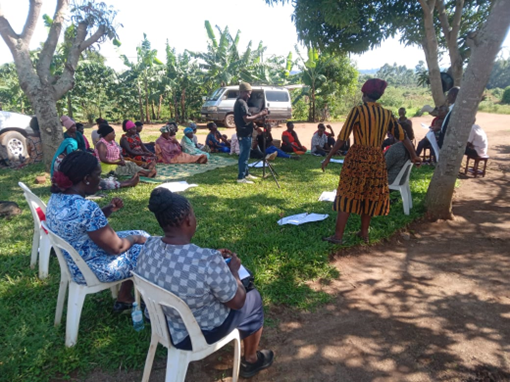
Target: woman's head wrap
{"x": 192, "y": 125}
{"x": 67, "y": 122}
{"x": 130, "y": 125}
{"x": 188, "y": 130}
{"x": 104, "y": 130}
{"x": 165, "y": 129}
{"x": 374, "y": 88}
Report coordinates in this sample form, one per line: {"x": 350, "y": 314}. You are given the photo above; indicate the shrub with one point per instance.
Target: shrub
{"x": 506, "y": 96}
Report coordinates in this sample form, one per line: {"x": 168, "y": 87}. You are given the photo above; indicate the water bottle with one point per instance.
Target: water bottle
{"x": 137, "y": 316}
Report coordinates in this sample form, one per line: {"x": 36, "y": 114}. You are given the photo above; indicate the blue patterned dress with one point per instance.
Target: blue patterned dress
{"x": 71, "y": 217}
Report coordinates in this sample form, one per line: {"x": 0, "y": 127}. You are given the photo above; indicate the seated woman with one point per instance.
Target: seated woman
{"x": 72, "y": 132}
{"x": 189, "y": 146}
{"x": 440, "y": 114}
{"x": 132, "y": 147}
{"x": 202, "y": 147}
{"x": 68, "y": 146}
{"x": 203, "y": 280}
{"x": 168, "y": 149}
{"x": 108, "y": 153}
{"x": 110, "y": 255}
{"x": 265, "y": 139}
{"x": 290, "y": 141}
{"x": 148, "y": 145}
{"x": 217, "y": 143}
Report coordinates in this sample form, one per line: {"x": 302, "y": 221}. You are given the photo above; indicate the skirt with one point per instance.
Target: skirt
{"x": 363, "y": 187}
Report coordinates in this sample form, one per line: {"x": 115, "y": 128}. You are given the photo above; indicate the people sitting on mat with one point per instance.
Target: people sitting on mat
{"x": 132, "y": 147}
{"x": 217, "y": 143}
{"x": 68, "y": 146}
{"x": 189, "y": 146}
{"x": 95, "y": 134}
{"x": 71, "y": 131}
{"x": 200, "y": 146}
{"x": 110, "y": 255}
{"x": 320, "y": 145}
{"x": 81, "y": 129}
{"x": 290, "y": 141}
{"x": 256, "y": 150}
{"x": 396, "y": 157}
{"x": 168, "y": 149}
{"x": 108, "y": 153}
{"x": 148, "y": 145}
{"x": 435, "y": 126}
{"x": 265, "y": 139}
{"x": 406, "y": 123}
{"x": 202, "y": 278}
{"x": 477, "y": 144}
{"x": 234, "y": 145}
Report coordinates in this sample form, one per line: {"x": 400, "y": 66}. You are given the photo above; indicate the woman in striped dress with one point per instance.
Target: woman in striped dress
{"x": 363, "y": 187}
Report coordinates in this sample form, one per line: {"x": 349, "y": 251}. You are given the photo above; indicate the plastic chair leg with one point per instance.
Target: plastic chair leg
{"x": 74, "y": 307}
{"x": 115, "y": 291}
{"x": 150, "y": 359}
{"x": 405, "y": 200}
{"x": 410, "y": 196}
{"x": 60, "y": 301}
{"x": 44, "y": 256}
{"x": 176, "y": 366}
{"x": 237, "y": 359}
{"x": 35, "y": 249}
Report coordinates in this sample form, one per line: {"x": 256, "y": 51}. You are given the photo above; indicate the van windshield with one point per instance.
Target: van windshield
{"x": 214, "y": 96}
{"x": 277, "y": 96}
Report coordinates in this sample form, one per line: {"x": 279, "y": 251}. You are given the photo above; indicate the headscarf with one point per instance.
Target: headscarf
{"x": 188, "y": 130}
{"x": 68, "y": 145}
{"x": 374, "y": 88}
{"x": 170, "y": 127}
{"x": 165, "y": 129}
{"x": 130, "y": 125}
{"x": 67, "y": 122}
{"x": 192, "y": 125}
{"x": 104, "y": 130}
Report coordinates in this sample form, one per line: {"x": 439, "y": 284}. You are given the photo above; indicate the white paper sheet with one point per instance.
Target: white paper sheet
{"x": 243, "y": 273}
{"x": 177, "y": 186}
{"x": 425, "y": 126}
{"x": 258, "y": 164}
{"x": 328, "y": 196}
{"x": 302, "y": 218}
{"x": 332, "y": 160}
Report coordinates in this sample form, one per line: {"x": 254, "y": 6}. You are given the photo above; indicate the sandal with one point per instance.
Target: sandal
{"x": 264, "y": 360}
{"x": 332, "y": 240}
{"x": 365, "y": 239}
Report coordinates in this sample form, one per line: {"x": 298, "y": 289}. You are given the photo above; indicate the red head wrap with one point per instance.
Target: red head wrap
{"x": 374, "y": 88}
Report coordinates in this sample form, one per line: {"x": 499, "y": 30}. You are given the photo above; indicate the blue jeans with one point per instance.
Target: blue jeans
{"x": 244, "y": 155}
{"x": 281, "y": 154}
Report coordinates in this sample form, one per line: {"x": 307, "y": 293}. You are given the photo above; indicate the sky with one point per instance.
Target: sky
{"x": 182, "y": 23}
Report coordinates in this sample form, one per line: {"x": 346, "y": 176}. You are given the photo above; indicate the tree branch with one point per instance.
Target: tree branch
{"x": 32, "y": 17}
{"x": 443, "y": 18}
{"x": 7, "y": 32}
{"x": 459, "y": 7}
{"x": 46, "y": 56}
{"x": 94, "y": 38}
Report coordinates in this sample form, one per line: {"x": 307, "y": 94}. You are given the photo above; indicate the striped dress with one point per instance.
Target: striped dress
{"x": 363, "y": 186}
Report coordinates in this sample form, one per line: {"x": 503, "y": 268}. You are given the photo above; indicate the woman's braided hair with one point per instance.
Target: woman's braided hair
{"x": 169, "y": 208}
{"x": 73, "y": 169}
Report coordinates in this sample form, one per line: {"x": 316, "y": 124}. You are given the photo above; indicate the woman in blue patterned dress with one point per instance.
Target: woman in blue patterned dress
{"x": 83, "y": 224}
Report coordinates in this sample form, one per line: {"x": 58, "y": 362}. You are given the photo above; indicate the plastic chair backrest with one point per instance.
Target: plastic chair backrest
{"x": 431, "y": 137}
{"x": 33, "y": 202}
{"x": 60, "y": 244}
{"x": 155, "y": 298}
{"x": 404, "y": 174}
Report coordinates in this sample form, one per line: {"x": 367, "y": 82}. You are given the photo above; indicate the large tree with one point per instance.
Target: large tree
{"x": 92, "y": 21}
{"x": 357, "y": 26}
{"x": 485, "y": 46}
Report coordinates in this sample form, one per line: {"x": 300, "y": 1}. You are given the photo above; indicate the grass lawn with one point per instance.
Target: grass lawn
{"x": 239, "y": 217}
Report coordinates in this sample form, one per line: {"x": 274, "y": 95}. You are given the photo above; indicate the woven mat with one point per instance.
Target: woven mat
{"x": 168, "y": 172}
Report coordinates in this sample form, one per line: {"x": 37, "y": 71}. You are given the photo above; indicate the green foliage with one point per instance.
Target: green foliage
{"x": 397, "y": 75}
{"x": 12, "y": 97}
{"x": 283, "y": 258}
{"x": 505, "y": 99}
{"x": 500, "y": 75}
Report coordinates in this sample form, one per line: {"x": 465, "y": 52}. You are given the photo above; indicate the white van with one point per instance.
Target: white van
{"x": 219, "y": 106}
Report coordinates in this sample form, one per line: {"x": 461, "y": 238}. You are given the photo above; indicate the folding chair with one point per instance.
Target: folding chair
{"x": 77, "y": 292}
{"x": 155, "y": 298}
{"x": 401, "y": 184}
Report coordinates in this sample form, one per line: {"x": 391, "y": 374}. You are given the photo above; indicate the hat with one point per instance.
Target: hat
{"x": 67, "y": 122}
{"x": 104, "y": 130}
{"x": 244, "y": 87}
{"x": 374, "y": 88}
{"x": 130, "y": 125}
{"x": 192, "y": 125}
{"x": 188, "y": 130}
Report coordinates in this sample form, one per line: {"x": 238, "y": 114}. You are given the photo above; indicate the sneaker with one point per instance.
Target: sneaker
{"x": 251, "y": 177}
{"x": 271, "y": 156}
{"x": 246, "y": 181}
{"x": 265, "y": 359}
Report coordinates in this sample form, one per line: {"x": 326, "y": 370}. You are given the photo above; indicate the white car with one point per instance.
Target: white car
{"x": 14, "y": 128}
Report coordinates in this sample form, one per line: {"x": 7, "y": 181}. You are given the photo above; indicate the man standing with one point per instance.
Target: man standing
{"x": 244, "y": 128}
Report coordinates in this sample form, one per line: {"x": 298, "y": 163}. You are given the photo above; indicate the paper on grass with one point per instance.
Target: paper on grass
{"x": 332, "y": 160}
{"x": 258, "y": 164}
{"x": 177, "y": 186}
{"x": 302, "y": 218}
{"x": 328, "y": 196}
{"x": 243, "y": 273}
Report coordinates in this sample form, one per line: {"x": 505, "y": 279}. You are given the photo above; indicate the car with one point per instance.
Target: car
{"x": 14, "y": 128}
{"x": 219, "y": 106}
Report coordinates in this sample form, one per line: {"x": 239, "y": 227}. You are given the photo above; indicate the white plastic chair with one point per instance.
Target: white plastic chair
{"x": 155, "y": 298}
{"x": 401, "y": 184}
{"x": 433, "y": 143}
{"x": 40, "y": 243}
{"x": 77, "y": 292}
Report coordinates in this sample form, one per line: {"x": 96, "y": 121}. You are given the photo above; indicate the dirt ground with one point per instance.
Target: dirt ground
{"x": 431, "y": 304}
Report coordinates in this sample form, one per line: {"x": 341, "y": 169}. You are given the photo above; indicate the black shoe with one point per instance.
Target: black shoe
{"x": 295, "y": 157}
{"x": 120, "y": 307}
{"x": 265, "y": 359}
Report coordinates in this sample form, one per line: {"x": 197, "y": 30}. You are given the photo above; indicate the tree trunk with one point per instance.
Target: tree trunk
{"x": 140, "y": 104}
{"x": 183, "y": 105}
{"x": 69, "y": 106}
{"x": 147, "y": 115}
{"x": 159, "y": 107}
{"x": 486, "y": 47}
{"x": 153, "y": 111}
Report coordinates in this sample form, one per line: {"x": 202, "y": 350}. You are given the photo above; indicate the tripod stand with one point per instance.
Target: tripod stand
{"x": 265, "y": 162}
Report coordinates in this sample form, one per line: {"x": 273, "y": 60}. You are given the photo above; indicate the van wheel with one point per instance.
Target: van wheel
{"x": 229, "y": 121}
{"x": 15, "y": 145}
